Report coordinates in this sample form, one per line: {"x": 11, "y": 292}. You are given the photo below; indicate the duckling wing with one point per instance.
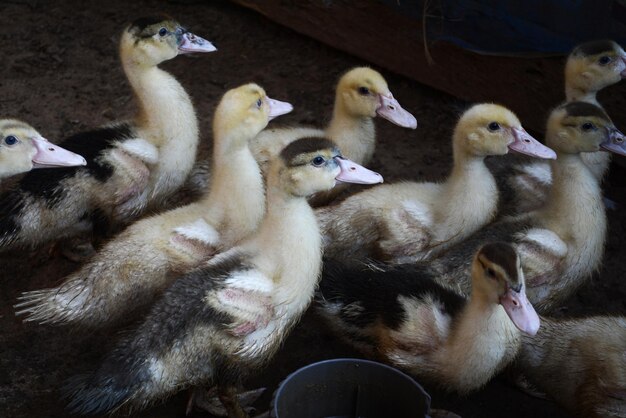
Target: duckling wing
{"x": 542, "y": 253}
{"x": 247, "y": 298}
{"x": 523, "y": 182}
{"x": 406, "y": 231}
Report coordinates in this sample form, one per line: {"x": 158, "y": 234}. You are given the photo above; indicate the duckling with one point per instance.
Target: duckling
{"x": 229, "y": 316}
{"x": 361, "y": 95}
{"x": 22, "y": 148}
{"x": 561, "y": 244}
{"x": 428, "y": 329}
{"x": 580, "y": 363}
{"x": 414, "y": 221}
{"x": 590, "y": 67}
{"x": 130, "y": 269}
{"x": 132, "y": 165}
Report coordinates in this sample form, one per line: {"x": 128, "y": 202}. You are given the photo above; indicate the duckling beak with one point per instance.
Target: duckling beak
{"x": 277, "y": 108}
{"x": 51, "y": 155}
{"x": 193, "y": 43}
{"x": 520, "y": 310}
{"x": 391, "y": 110}
{"x": 526, "y": 144}
{"x": 352, "y": 172}
{"x": 616, "y": 142}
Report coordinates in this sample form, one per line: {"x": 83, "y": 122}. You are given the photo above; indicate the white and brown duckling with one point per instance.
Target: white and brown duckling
{"x": 412, "y": 221}
{"x": 361, "y": 95}
{"x": 22, "y": 148}
{"x": 428, "y": 329}
{"x": 132, "y": 165}
{"x": 228, "y": 317}
{"x": 590, "y": 67}
{"x": 580, "y": 363}
{"x": 131, "y": 269}
{"x": 561, "y": 244}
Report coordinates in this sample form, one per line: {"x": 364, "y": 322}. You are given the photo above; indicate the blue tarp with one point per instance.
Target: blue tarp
{"x": 510, "y": 27}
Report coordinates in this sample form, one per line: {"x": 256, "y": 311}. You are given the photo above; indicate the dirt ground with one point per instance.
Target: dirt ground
{"x": 60, "y": 72}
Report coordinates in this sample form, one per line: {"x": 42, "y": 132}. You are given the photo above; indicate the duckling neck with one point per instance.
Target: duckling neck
{"x": 575, "y": 210}
{"x": 167, "y": 119}
{"x": 165, "y": 109}
{"x": 469, "y": 199}
{"x": 575, "y": 94}
{"x": 236, "y": 198}
{"x": 482, "y": 342}
{"x": 291, "y": 243}
{"x": 355, "y": 135}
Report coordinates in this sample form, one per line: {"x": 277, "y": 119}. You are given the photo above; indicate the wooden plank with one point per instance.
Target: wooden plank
{"x": 380, "y": 35}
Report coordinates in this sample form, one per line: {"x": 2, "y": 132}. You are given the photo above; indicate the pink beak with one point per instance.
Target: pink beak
{"x": 521, "y": 312}
{"x": 616, "y": 142}
{"x": 51, "y": 155}
{"x": 278, "y": 108}
{"x": 526, "y": 144}
{"x": 193, "y": 43}
{"x": 391, "y": 110}
{"x": 352, "y": 172}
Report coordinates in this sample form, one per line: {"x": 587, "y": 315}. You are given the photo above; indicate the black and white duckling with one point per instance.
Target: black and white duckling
{"x": 590, "y": 68}
{"x": 580, "y": 363}
{"x": 134, "y": 266}
{"x": 361, "y": 95}
{"x": 228, "y": 317}
{"x": 412, "y": 221}
{"x": 562, "y": 243}
{"x": 22, "y": 148}
{"x": 428, "y": 329}
{"x": 131, "y": 165}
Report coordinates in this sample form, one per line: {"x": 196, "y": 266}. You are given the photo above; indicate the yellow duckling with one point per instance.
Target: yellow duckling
{"x": 412, "y": 321}
{"x": 228, "y": 317}
{"x": 131, "y": 166}
{"x": 412, "y": 221}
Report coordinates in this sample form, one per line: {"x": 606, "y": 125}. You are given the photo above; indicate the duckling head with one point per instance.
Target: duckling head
{"x": 148, "y": 41}
{"x": 245, "y": 111}
{"x": 595, "y": 65}
{"x": 497, "y": 275}
{"x": 363, "y": 92}
{"x": 490, "y": 129}
{"x": 22, "y": 148}
{"x": 315, "y": 164}
{"x": 577, "y": 127}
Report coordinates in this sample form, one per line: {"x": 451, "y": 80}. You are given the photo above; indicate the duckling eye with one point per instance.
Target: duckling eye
{"x": 364, "y": 91}
{"x": 259, "y": 103}
{"x": 490, "y": 273}
{"x": 604, "y": 60}
{"x": 10, "y": 140}
{"x": 587, "y": 126}
{"x": 493, "y": 126}
{"x": 318, "y": 161}
{"x": 162, "y": 32}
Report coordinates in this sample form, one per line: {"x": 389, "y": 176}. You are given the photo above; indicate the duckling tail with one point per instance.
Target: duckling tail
{"x": 89, "y": 396}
